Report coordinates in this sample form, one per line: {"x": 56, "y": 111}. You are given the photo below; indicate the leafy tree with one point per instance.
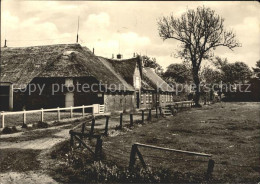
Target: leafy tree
{"x": 257, "y": 69}
{"x": 151, "y": 62}
{"x": 200, "y": 32}
{"x": 179, "y": 73}
{"x": 233, "y": 72}
{"x": 236, "y": 72}
{"x": 220, "y": 62}
{"x": 210, "y": 76}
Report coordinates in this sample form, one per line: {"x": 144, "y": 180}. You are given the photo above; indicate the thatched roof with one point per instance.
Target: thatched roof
{"x": 125, "y": 67}
{"x": 151, "y": 78}
{"x": 21, "y": 65}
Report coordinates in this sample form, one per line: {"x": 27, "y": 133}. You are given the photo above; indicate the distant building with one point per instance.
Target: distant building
{"x": 150, "y": 89}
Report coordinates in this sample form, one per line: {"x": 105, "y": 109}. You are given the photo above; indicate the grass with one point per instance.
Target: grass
{"x": 228, "y": 131}
{"x": 18, "y": 160}
{"x": 31, "y": 135}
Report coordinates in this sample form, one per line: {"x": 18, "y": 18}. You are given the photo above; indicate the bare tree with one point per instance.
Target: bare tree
{"x": 200, "y": 32}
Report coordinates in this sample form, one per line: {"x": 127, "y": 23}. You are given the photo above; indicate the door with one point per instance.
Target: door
{"x": 4, "y": 98}
{"x": 69, "y": 99}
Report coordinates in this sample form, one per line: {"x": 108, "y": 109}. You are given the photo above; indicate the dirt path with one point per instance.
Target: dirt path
{"x": 24, "y": 144}
{"x": 39, "y": 140}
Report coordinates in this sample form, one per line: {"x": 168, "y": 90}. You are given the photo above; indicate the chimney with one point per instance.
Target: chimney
{"x": 119, "y": 56}
{"x": 134, "y": 54}
{"x": 112, "y": 56}
{"x": 93, "y": 50}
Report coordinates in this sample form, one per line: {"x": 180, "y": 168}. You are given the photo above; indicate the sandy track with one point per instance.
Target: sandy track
{"x": 43, "y": 144}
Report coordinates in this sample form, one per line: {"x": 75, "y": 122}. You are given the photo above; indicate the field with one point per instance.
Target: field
{"x": 228, "y": 131}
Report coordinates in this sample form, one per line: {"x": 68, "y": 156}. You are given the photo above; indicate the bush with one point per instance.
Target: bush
{"x": 41, "y": 124}
{"x": 100, "y": 172}
{"x": 9, "y": 130}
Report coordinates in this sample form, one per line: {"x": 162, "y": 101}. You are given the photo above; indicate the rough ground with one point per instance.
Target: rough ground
{"x": 20, "y": 154}
{"x": 228, "y": 131}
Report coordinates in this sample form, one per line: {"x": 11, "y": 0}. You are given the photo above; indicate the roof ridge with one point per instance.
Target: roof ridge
{"x": 112, "y": 69}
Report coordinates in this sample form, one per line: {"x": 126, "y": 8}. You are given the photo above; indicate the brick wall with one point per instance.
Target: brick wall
{"x": 119, "y": 102}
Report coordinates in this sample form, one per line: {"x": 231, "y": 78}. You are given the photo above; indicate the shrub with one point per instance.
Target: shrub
{"x": 100, "y": 172}
{"x": 9, "y": 130}
{"x": 41, "y": 124}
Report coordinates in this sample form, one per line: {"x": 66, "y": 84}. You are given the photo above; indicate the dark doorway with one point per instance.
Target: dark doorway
{"x": 4, "y": 98}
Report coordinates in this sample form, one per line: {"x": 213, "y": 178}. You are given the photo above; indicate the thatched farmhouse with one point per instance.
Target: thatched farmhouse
{"x": 162, "y": 95}
{"x": 71, "y": 75}
{"x": 150, "y": 89}
{"x": 57, "y": 69}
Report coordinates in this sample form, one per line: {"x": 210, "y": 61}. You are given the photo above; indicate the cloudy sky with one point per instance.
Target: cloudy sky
{"x": 126, "y": 27}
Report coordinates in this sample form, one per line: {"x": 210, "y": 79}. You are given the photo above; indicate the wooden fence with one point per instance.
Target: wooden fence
{"x": 96, "y": 109}
{"x": 135, "y": 151}
{"x": 79, "y": 137}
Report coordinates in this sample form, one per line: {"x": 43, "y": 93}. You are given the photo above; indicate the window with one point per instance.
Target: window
{"x": 171, "y": 98}
{"x": 150, "y": 98}
{"x": 162, "y": 97}
{"x": 147, "y": 98}
{"x": 142, "y": 99}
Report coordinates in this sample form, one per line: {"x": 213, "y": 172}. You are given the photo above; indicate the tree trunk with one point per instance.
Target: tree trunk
{"x": 197, "y": 89}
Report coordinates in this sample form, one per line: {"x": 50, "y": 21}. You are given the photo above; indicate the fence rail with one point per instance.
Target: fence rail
{"x": 135, "y": 151}
{"x": 96, "y": 108}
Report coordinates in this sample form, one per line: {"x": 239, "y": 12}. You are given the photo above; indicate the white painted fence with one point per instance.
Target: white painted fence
{"x": 96, "y": 109}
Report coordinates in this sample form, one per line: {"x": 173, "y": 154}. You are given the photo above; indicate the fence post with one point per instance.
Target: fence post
{"x": 71, "y": 112}
{"x": 142, "y": 116}
{"x": 98, "y": 149}
{"x": 92, "y": 127}
{"x": 156, "y": 109}
{"x": 95, "y": 109}
{"x": 149, "y": 115}
{"x": 211, "y": 164}
{"x": 3, "y": 119}
{"x": 132, "y": 156}
{"x": 121, "y": 121}
{"x": 160, "y": 109}
{"x": 83, "y": 110}
{"x": 131, "y": 120}
{"x": 140, "y": 157}
{"x": 82, "y": 132}
{"x": 24, "y": 118}
{"x": 42, "y": 114}
{"x": 71, "y": 139}
{"x": 106, "y": 127}
{"x": 58, "y": 112}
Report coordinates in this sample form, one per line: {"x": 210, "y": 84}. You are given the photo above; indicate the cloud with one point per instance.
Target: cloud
{"x": 98, "y": 21}
{"x": 249, "y": 26}
{"x": 132, "y": 27}
{"x": 32, "y": 30}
